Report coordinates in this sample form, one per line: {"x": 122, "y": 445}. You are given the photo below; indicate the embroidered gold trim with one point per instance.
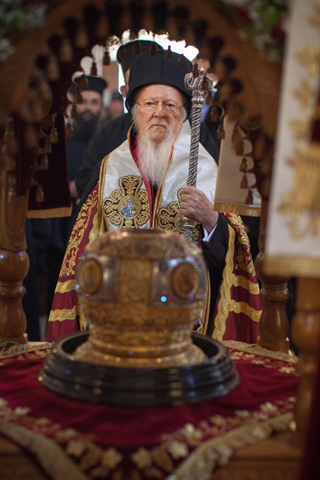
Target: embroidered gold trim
{"x": 50, "y": 212}
{"x": 157, "y": 201}
{"x": 243, "y": 249}
{"x": 49, "y": 453}
{"x": 21, "y": 349}
{"x": 102, "y": 177}
{"x": 242, "y": 307}
{"x": 98, "y": 225}
{"x": 238, "y": 209}
{"x": 257, "y": 350}
{"x": 77, "y": 234}
{"x": 206, "y": 310}
{"x": 65, "y": 287}
{"x": 240, "y": 281}
{"x": 64, "y": 314}
{"x": 292, "y": 266}
{"x": 217, "y": 451}
{"x": 225, "y": 290}
{"x": 128, "y": 207}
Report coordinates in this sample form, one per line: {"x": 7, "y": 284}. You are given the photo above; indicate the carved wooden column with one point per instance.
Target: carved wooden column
{"x": 14, "y": 261}
{"x": 274, "y": 325}
{"x": 306, "y": 336}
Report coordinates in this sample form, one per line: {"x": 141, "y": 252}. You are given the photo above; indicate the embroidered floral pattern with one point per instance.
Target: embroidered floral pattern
{"x": 77, "y": 234}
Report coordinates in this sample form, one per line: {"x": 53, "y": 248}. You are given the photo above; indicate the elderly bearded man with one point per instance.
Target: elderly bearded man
{"x": 142, "y": 184}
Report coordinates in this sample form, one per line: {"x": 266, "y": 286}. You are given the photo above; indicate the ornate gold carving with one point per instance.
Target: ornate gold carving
{"x": 145, "y": 314}
{"x": 185, "y": 280}
{"x": 138, "y": 315}
{"x": 132, "y": 291}
{"x": 163, "y": 246}
{"x": 132, "y": 340}
{"x": 128, "y": 207}
{"x": 170, "y": 219}
{"x": 91, "y": 276}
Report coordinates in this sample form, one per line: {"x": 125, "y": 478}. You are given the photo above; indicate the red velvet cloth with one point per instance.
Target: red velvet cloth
{"x": 134, "y": 436}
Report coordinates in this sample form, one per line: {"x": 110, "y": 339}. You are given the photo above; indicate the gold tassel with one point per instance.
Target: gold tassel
{"x": 83, "y": 82}
{"x": 94, "y": 69}
{"x": 182, "y": 61}
{"x": 249, "y": 199}
{"x": 43, "y": 89}
{"x": 39, "y": 194}
{"x": 244, "y": 182}
{"x": 259, "y": 147}
{"x": 237, "y": 141}
{"x": 137, "y": 52}
{"x": 205, "y": 84}
{"x": 195, "y": 71}
{"x": 52, "y": 69}
{"x": 214, "y": 114}
{"x": 209, "y": 99}
{"x": 106, "y": 58}
{"x": 74, "y": 112}
{"x": 43, "y": 162}
{"x": 30, "y": 137}
{"x": 78, "y": 96}
{"x": 220, "y": 132}
{"x": 244, "y": 166}
{"x": 168, "y": 55}
{"x": 53, "y": 135}
{"x": 47, "y": 146}
{"x": 65, "y": 51}
{"x": 81, "y": 39}
{"x": 69, "y": 129}
{"x": 153, "y": 50}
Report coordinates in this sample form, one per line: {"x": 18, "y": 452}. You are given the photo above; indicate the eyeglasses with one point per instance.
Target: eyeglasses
{"x": 168, "y": 107}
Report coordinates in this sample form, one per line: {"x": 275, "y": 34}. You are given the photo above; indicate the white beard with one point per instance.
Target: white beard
{"x": 153, "y": 158}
